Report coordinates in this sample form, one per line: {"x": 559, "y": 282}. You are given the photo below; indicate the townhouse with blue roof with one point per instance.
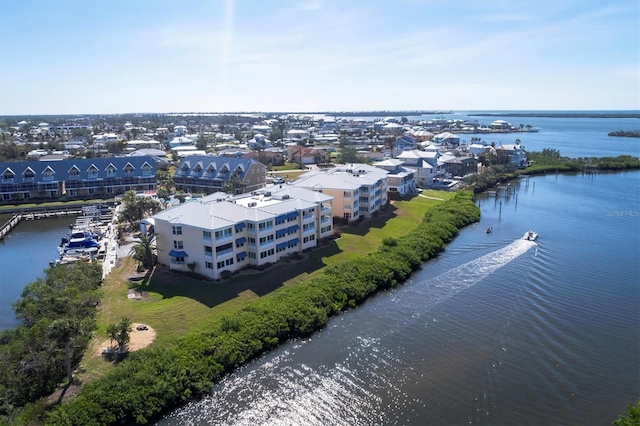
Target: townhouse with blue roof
{"x": 75, "y": 178}
{"x": 208, "y": 174}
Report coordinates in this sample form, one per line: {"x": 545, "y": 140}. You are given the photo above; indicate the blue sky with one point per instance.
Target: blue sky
{"x": 117, "y": 56}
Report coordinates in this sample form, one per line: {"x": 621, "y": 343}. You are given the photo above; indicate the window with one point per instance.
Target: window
{"x": 224, "y": 233}
{"x": 224, "y": 249}
{"x": 347, "y": 215}
{"x": 267, "y": 253}
{"x": 346, "y": 194}
{"x": 325, "y": 229}
{"x": 252, "y": 240}
{"x": 266, "y": 239}
{"x": 309, "y": 238}
{"x": 252, "y": 255}
{"x": 128, "y": 170}
{"x": 8, "y": 176}
{"x": 208, "y": 251}
{"x": 146, "y": 169}
{"x": 74, "y": 173}
{"x": 251, "y": 226}
{"x": 48, "y": 174}
{"x": 265, "y": 225}
{"x": 206, "y": 235}
{"x": 92, "y": 173}
{"x": 176, "y": 230}
{"x": 208, "y": 265}
{"x": 347, "y": 206}
{"x": 177, "y": 245}
{"x": 224, "y": 263}
{"x": 111, "y": 171}
{"x": 29, "y": 176}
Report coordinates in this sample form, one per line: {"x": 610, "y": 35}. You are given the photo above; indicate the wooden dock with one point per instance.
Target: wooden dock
{"x": 8, "y": 225}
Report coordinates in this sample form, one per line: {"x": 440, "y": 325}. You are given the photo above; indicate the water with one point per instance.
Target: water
{"x": 24, "y": 254}
{"x": 496, "y": 330}
{"x": 573, "y": 137}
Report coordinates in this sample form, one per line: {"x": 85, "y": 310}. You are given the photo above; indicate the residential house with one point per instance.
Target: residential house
{"x": 75, "y": 178}
{"x": 269, "y": 157}
{"x": 458, "y": 165}
{"x": 446, "y": 138}
{"x": 515, "y": 152}
{"x": 358, "y": 190}
{"x": 306, "y": 155}
{"x": 220, "y": 234}
{"x": 400, "y": 179}
{"x": 209, "y": 174}
{"x": 424, "y": 163}
{"x": 403, "y": 143}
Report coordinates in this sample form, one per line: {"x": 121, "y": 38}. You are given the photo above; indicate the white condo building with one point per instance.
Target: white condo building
{"x": 221, "y": 233}
{"x": 358, "y": 190}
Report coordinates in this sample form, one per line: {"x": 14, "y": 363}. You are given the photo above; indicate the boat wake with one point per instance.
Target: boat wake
{"x": 360, "y": 381}
{"x": 447, "y": 284}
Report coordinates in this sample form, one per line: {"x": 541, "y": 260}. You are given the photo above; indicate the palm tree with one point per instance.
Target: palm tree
{"x": 62, "y": 330}
{"x": 142, "y": 251}
{"x": 112, "y": 333}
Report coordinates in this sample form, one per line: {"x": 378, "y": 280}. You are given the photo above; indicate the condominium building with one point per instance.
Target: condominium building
{"x": 208, "y": 174}
{"x": 358, "y": 190}
{"x": 220, "y": 233}
{"x": 75, "y": 178}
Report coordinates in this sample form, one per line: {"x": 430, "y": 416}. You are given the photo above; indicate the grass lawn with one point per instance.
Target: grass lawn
{"x": 175, "y": 304}
{"x": 53, "y": 204}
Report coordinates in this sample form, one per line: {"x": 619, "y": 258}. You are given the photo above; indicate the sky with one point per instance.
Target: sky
{"x": 137, "y": 56}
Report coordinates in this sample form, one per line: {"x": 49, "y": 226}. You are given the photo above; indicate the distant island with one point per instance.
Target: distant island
{"x": 585, "y": 114}
{"x": 626, "y": 133}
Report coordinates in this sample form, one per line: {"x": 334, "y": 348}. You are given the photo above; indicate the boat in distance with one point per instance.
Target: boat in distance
{"x": 530, "y": 236}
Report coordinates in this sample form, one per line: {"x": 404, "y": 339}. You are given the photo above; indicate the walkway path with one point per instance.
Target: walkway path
{"x": 431, "y": 198}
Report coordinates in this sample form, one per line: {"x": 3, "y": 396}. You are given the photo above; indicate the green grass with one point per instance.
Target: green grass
{"x": 51, "y": 204}
{"x": 286, "y": 166}
{"x": 175, "y": 304}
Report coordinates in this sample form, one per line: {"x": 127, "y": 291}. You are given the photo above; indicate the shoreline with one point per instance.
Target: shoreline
{"x": 261, "y": 325}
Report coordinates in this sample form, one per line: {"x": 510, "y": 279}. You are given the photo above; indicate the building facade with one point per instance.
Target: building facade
{"x": 220, "y": 234}
{"x": 75, "y": 178}
{"x": 358, "y": 190}
{"x": 208, "y": 174}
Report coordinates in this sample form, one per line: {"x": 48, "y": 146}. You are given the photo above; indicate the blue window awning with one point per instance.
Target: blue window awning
{"x": 293, "y": 242}
{"x": 178, "y": 253}
{"x": 281, "y": 218}
{"x": 241, "y": 240}
{"x": 292, "y": 215}
{"x": 240, "y": 226}
{"x": 241, "y": 255}
{"x": 281, "y": 232}
{"x": 293, "y": 228}
{"x": 281, "y": 246}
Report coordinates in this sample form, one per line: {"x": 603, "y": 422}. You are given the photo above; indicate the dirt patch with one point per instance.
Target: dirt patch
{"x": 138, "y": 339}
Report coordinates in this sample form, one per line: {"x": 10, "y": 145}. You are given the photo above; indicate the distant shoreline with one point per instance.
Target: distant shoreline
{"x": 558, "y": 114}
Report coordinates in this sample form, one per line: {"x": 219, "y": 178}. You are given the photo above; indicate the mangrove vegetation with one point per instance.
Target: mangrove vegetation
{"x": 150, "y": 381}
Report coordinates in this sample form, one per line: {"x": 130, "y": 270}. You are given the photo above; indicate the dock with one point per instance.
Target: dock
{"x": 9, "y": 225}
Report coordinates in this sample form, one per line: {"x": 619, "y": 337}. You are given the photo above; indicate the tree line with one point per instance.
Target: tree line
{"x": 58, "y": 317}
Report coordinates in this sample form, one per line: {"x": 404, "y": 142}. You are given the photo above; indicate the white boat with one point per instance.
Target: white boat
{"x": 530, "y": 236}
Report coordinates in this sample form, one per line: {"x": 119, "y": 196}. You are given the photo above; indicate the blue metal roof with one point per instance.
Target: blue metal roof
{"x": 80, "y": 167}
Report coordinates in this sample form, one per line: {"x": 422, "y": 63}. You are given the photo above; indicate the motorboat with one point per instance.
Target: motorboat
{"x": 530, "y": 236}
{"x": 489, "y": 230}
